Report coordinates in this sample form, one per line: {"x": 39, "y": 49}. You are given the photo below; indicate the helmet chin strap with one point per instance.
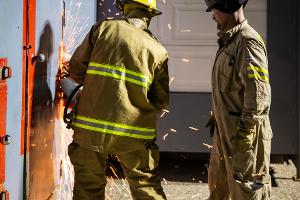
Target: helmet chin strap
{"x": 140, "y": 14}
{"x": 119, "y": 5}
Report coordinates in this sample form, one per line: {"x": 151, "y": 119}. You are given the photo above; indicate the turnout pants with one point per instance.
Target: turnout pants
{"x": 139, "y": 159}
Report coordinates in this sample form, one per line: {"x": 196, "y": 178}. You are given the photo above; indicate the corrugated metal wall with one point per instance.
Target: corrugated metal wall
{"x": 298, "y": 157}
{"x": 283, "y": 63}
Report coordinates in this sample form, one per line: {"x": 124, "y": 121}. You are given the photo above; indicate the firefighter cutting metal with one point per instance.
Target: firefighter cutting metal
{"x": 125, "y": 74}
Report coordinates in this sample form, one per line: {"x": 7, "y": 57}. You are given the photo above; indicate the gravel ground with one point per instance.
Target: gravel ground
{"x": 283, "y": 185}
{"x": 185, "y": 178}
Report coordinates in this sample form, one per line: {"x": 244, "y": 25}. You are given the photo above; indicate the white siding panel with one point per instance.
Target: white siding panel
{"x": 190, "y": 68}
{"x": 184, "y": 23}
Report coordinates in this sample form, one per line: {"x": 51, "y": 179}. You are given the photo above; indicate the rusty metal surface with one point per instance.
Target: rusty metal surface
{"x": 41, "y": 166}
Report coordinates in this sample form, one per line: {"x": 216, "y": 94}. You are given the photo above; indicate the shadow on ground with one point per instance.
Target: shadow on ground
{"x": 184, "y": 167}
{"x": 176, "y": 167}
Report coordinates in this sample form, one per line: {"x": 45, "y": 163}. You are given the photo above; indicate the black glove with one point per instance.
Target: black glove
{"x": 211, "y": 123}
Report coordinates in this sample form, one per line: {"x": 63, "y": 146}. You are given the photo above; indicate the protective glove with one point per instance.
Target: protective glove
{"x": 211, "y": 123}
{"x": 243, "y": 139}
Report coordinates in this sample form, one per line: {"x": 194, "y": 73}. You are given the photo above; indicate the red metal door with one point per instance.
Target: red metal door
{"x": 29, "y": 25}
{"x": 5, "y": 72}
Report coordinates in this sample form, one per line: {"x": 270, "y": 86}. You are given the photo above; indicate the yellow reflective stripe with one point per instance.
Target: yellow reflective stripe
{"x": 121, "y": 69}
{"x": 113, "y": 131}
{"x": 119, "y": 73}
{"x": 260, "y": 39}
{"x": 258, "y": 69}
{"x": 114, "y": 124}
{"x": 258, "y": 77}
{"x": 124, "y": 78}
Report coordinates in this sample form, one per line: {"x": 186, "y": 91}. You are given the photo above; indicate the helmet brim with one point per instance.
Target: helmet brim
{"x": 155, "y": 12}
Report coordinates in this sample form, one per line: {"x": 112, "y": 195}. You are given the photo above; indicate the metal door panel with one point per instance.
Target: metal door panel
{"x": 4, "y": 74}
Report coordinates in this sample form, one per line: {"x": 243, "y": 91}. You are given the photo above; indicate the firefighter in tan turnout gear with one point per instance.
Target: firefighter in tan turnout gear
{"x": 125, "y": 77}
{"x": 240, "y": 159}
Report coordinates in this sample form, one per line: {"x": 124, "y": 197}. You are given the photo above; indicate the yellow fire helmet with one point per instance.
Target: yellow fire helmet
{"x": 150, "y": 4}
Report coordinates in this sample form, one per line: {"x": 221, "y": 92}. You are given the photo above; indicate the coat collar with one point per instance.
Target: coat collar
{"x": 138, "y": 18}
{"x": 226, "y": 36}
{"x": 137, "y": 22}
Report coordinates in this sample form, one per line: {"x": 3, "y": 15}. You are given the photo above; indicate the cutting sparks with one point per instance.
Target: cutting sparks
{"x": 193, "y": 128}
{"x": 207, "y": 145}
{"x": 173, "y": 130}
{"x": 185, "y": 30}
{"x": 165, "y": 181}
{"x": 169, "y": 26}
{"x": 197, "y": 195}
{"x": 113, "y": 171}
{"x": 185, "y": 60}
{"x": 164, "y": 137}
{"x": 162, "y": 114}
{"x": 172, "y": 79}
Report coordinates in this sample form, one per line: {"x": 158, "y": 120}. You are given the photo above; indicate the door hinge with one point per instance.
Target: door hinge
{"x": 5, "y": 72}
